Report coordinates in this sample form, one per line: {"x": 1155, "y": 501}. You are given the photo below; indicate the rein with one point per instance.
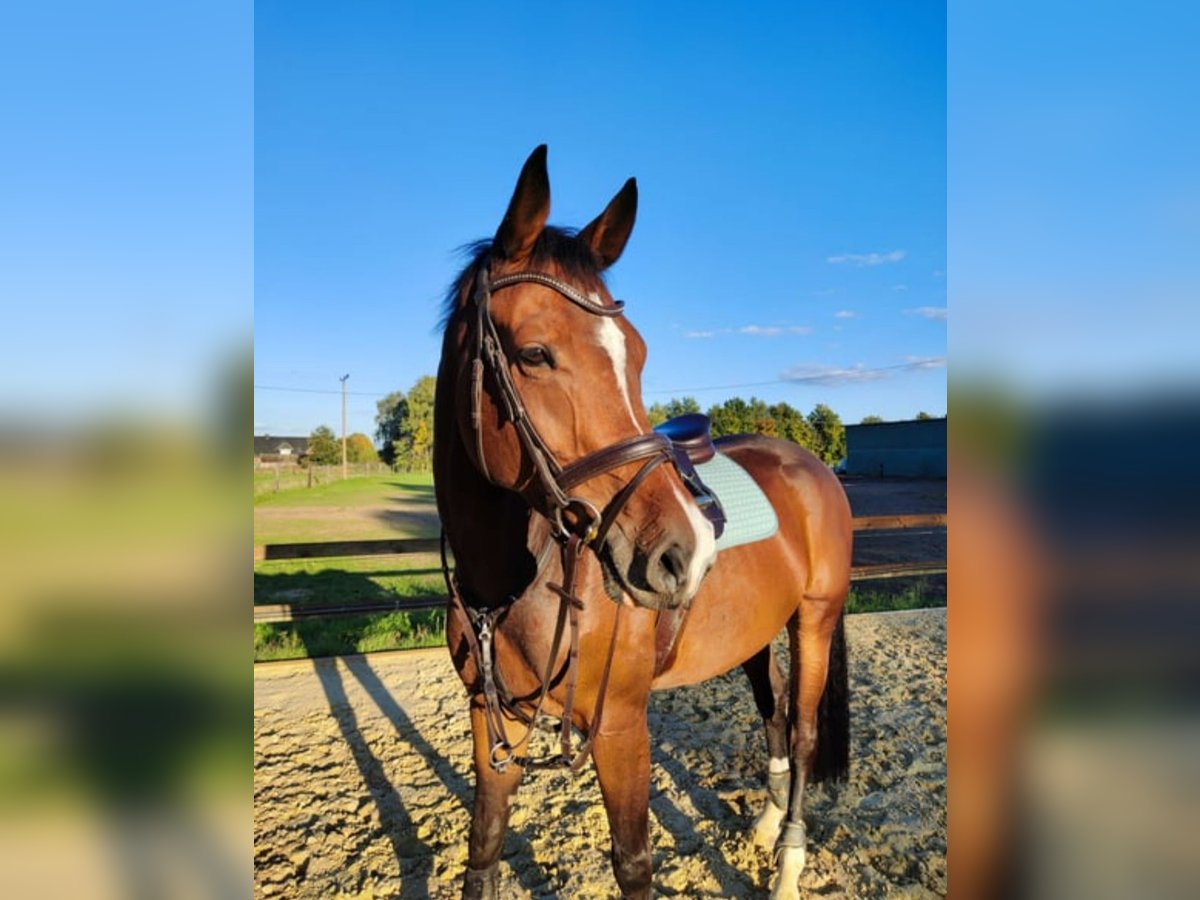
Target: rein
{"x": 575, "y": 524}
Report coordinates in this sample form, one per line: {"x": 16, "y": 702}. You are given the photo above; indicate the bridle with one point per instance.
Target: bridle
{"x": 554, "y": 479}
{"x": 575, "y": 524}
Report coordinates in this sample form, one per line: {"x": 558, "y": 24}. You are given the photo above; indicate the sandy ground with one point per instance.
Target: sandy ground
{"x": 362, "y": 783}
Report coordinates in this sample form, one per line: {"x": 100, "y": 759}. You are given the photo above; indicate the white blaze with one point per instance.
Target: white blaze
{"x": 612, "y": 339}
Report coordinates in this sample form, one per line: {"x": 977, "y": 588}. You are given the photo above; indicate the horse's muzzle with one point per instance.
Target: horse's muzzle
{"x": 664, "y": 576}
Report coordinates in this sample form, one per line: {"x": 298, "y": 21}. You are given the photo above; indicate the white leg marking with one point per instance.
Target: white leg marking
{"x": 787, "y": 878}
{"x": 767, "y": 825}
{"x": 777, "y": 764}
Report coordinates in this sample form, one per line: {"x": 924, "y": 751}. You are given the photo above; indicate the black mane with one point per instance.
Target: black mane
{"x": 556, "y": 245}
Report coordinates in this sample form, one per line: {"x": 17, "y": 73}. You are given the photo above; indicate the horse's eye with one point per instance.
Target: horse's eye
{"x": 535, "y": 355}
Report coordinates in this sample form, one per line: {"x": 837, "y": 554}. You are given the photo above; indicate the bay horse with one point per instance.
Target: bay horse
{"x": 575, "y": 541}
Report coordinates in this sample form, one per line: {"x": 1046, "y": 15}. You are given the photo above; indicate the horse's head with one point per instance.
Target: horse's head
{"x": 545, "y": 376}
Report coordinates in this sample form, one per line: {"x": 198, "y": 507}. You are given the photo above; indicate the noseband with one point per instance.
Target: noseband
{"x": 554, "y": 479}
{"x": 575, "y": 523}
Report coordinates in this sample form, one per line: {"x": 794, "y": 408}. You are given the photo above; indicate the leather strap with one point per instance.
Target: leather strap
{"x": 575, "y": 524}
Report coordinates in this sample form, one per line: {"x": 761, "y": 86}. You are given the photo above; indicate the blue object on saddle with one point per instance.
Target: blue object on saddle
{"x": 749, "y": 515}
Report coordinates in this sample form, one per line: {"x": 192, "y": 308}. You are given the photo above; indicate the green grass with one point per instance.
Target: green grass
{"x": 269, "y": 480}
{"x": 341, "y": 635}
{"x": 398, "y": 505}
{"x": 371, "y": 507}
{"x": 363, "y": 490}
{"x": 911, "y": 596}
{"x": 330, "y": 582}
{"x": 346, "y": 580}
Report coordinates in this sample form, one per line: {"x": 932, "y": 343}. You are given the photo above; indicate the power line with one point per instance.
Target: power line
{"x": 816, "y": 377}
{"x": 299, "y": 390}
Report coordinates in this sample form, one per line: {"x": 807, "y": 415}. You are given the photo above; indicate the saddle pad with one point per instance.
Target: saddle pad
{"x": 748, "y": 513}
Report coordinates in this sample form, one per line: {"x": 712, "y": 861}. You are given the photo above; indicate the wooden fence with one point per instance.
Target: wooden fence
{"x": 284, "y": 612}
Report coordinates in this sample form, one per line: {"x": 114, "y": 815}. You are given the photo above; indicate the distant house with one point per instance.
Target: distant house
{"x": 915, "y": 448}
{"x": 269, "y": 449}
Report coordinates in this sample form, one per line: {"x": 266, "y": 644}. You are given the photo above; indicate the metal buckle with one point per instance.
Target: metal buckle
{"x": 497, "y": 762}
{"x": 593, "y": 518}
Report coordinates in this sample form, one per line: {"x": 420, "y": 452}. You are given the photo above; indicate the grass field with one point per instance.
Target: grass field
{"x": 271, "y": 479}
{"x": 391, "y": 505}
{"x": 370, "y": 507}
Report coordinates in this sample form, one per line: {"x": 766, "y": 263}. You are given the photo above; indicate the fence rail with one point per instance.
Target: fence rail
{"x": 283, "y": 612}
{"x": 323, "y": 549}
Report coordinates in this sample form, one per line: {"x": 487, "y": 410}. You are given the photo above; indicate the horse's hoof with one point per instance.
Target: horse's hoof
{"x": 482, "y": 884}
{"x": 787, "y": 874}
{"x": 766, "y": 826}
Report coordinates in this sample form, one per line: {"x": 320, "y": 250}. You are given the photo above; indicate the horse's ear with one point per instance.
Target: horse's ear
{"x": 527, "y": 211}
{"x": 609, "y": 231}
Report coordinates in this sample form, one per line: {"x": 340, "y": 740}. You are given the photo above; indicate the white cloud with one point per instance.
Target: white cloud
{"x": 816, "y": 373}
{"x": 866, "y": 259}
{"x": 938, "y": 313}
{"x": 922, "y": 363}
{"x": 845, "y": 314}
{"x": 753, "y": 330}
{"x": 899, "y": 287}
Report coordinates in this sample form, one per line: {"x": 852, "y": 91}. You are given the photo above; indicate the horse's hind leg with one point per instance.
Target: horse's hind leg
{"x": 494, "y": 793}
{"x": 810, "y": 637}
{"x": 770, "y": 695}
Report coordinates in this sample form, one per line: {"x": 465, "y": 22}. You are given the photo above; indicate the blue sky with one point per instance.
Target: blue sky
{"x": 126, "y": 224}
{"x": 790, "y": 241}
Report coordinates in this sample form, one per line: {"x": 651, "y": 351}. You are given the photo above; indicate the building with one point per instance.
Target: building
{"x": 268, "y": 449}
{"x": 912, "y": 449}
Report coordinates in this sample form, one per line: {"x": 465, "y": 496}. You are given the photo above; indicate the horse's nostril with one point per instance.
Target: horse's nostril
{"x": 673, "y": 566}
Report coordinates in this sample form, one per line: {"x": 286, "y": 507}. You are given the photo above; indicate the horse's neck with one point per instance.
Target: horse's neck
{"x": 495, "y": 538}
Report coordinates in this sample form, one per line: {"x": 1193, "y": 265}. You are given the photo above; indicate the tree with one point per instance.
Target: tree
{"x": 791, "y": 425}
{"x": 416, "y": 434}
{"x": 661, "y": 412}
{"x": 324, "y": 449}
{"x": 922, "y": 416}
{"x": 830, "y": 433}
{"x": 759, "y": 418}
{"x": 871, "y": 420}
{"x": 391, "y": 413}
{"x": 731, "y": 417}
{"x": 360, "y": 449}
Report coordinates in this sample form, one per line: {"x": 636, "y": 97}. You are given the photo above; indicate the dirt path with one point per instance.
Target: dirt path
{"x": 362, "y": 784}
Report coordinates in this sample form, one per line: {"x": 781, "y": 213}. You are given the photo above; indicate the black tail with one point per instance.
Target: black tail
{"x": 832, "y": 759}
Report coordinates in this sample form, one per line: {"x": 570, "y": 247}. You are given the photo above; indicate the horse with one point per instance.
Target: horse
{"x": 585, "y": 575}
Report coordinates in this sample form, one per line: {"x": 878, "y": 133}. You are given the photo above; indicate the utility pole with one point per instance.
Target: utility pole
{"x": 343, "y": 381}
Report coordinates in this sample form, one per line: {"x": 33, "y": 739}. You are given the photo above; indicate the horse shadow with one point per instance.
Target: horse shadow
{"x": 412, "y": 513}
{"x": 414, "y": 857}
{"x": 414, "y": 492}
{"x": 707, "y": 803}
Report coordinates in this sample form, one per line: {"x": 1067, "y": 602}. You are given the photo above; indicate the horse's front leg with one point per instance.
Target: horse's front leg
{"x": 494, "y": 792}
{"x": 623, "y": 769}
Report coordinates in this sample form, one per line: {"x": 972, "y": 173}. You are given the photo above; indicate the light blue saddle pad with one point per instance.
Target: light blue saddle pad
{"x": 749, "y": 515}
